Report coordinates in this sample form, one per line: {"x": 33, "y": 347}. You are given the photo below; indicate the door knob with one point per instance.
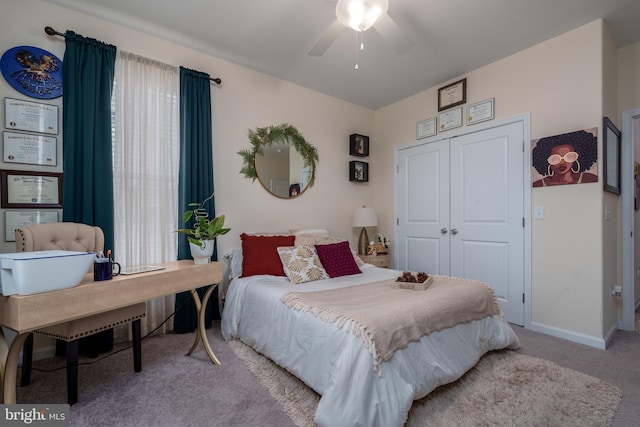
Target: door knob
{"x": 454, "y": 231}
{"x": 443, "y": 230}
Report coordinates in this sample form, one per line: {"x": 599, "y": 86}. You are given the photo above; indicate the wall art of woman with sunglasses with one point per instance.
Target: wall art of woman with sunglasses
{"x": 565, "y": 159}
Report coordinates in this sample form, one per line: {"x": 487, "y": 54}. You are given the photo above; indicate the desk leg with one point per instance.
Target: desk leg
{"x": 9, "y": 365}
{"x": 201, "y": 333}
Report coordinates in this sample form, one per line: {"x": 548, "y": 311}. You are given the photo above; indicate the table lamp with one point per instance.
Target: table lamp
{"x": 364, "y": 217}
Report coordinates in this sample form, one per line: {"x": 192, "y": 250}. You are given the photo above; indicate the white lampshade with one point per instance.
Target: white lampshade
{"x": 364, "y": 217}
{"x": 360, "y": 14}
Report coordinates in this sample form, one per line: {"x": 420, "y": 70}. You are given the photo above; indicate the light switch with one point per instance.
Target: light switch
{"x": 538, "y": 212}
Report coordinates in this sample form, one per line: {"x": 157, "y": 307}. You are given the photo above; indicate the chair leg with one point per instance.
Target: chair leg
{"x": 27, "y": 361}
{"x": 72, "y": 372}
{"x": 137, "y": 345}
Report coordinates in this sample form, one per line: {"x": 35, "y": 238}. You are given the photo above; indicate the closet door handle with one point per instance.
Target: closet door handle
{"x": 443, "y": 230}
{"x": 454, "y": 231}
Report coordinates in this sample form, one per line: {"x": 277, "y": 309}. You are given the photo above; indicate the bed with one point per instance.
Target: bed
{"x": 358, "y": 387}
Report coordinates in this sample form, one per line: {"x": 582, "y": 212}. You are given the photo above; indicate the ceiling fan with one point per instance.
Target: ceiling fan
{"x": 360, "y": 15}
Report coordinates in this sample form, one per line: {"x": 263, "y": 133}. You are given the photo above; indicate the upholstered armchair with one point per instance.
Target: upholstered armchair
{"x": 71, "y": 236}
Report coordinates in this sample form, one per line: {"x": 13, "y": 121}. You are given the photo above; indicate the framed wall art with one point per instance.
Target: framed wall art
{"x": 452, "y": 94}
{"x": 358, "y": 171}
{"x": 32, "y": 71}
{"x": 27, "y": 189}
{"x": 30, "y": 116}
{"x": 450, "y": 119}
{"x": 480, "y": 111}
{"x": 611, "y": 151}
{"x": 18, "y": 219}
{"x": 358, "y": 145}
{"x": 29, "y": 149}
{"x": 426, "y": 128}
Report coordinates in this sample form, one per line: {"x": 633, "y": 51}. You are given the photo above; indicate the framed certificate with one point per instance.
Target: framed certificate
{"x": 480, "y": 112}
{"x": 30, "y": 116}
{"x": 426, "y": 128}
{"x": 26, "y": 189}
{"x": 18, "y": 219}
{"x": 30, "y": 149}
{"x": 452, "y": 95}
{"x": 451, "y": 119}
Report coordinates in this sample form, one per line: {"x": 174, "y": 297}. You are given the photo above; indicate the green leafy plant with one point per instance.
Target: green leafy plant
{"x": 263, "y": 137}
{"x": 203, "y": 228}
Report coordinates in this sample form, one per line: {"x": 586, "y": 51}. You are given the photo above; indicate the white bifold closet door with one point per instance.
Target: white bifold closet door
{"x": 461, "y": 211}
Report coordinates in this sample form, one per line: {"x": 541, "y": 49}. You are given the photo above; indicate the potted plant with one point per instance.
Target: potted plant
{"x": 204, "y": 231}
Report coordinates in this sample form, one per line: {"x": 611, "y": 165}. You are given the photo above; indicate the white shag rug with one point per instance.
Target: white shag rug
{"x": 505, "y": 388}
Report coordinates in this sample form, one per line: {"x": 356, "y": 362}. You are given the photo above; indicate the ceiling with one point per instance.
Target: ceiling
{"x": 451, "y": 37}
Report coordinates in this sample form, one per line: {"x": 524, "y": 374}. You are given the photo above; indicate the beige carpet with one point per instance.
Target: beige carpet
{"x": 504, "y": 389}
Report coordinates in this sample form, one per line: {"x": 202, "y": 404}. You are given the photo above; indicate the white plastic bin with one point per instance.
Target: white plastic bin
{"x": 26, "y": 273}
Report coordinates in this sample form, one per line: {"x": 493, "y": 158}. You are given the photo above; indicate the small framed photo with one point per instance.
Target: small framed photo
{"x": 358, "y": 145}
{"x": 358, "y": 171}
{"x": 27, "y": 189}
{"x": 426, "y": 128}
{"x": 480, "y": 111}
{"x": 611, "y": 156}
{"x": 452, "y": 95}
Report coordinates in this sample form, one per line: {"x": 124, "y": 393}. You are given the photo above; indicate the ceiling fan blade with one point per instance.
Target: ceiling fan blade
{"x": 392, "y": 33}
{"x": 327, "y": 39}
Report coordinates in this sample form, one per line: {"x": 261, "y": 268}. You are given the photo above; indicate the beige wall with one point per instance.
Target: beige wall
{"x": 246, "y": 99}
{"x": 560, "y": 83}
{"x": 612, "y": 226}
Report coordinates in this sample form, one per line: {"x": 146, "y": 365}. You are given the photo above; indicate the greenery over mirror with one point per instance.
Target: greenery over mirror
{"x": 270, "y": 142}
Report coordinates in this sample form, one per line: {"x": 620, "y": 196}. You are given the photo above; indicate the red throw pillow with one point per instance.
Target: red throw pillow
{"x": 260, "y": 254}
{"x": 337, "y": 259}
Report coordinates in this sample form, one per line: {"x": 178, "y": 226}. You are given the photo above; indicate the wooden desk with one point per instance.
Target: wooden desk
{"x": 26, "y": 313}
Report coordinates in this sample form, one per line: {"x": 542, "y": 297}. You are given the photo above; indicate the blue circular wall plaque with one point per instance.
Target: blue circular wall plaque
{"x": 32, "y": 71}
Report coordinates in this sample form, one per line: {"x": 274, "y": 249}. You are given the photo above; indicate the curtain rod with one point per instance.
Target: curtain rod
{"x": 52, "y": 32}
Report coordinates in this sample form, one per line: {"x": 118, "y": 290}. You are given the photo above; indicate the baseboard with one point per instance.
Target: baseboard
{"x": 571, "y": 336}
{"x": 44, "y": 352}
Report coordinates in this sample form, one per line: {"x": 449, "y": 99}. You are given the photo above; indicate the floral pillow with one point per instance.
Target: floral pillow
{"x": 301, "y": 264}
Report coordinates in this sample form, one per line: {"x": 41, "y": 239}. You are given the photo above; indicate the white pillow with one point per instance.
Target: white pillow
{"x": 301, "y": 264}
{"x": 311, "y": 231}
{"x": 234, "y": 258}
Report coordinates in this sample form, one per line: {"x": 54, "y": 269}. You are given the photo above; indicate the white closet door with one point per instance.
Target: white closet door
{"x": 487, "y": 210}
{"x": 423, "y": 198}
{"x": 461, "y": 208}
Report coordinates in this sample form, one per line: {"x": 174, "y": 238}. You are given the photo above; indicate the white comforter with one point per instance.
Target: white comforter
{"x": 336, "y": 364}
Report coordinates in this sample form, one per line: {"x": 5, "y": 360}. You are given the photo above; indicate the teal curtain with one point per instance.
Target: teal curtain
{"x": 87, "y": 75}
{"x": 195, "y": 179}
{"x": 87, "y": 185}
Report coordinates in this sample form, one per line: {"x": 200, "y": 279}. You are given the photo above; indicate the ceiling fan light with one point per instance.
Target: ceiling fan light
{"x": 360, "y": 14}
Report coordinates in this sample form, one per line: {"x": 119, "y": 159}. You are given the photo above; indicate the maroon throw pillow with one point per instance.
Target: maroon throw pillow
{"x": 337, "y": 259}
{"x": 260, "y": 254}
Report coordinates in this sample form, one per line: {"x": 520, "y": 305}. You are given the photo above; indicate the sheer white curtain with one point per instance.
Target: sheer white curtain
{"x": 146, "y": 142}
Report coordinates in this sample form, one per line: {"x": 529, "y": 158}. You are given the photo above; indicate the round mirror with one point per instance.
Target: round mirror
{"x": 281, "y": 159}
{"x": 281, "y": 170}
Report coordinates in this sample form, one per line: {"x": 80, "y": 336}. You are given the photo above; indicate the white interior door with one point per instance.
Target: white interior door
{"x": 487, "y": 213}
{"x": 423, "y": 197}
{"x": 461, "y": 210}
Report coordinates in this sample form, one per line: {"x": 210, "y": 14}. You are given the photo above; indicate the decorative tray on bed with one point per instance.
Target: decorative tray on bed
{"x": 416, "y": 281}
